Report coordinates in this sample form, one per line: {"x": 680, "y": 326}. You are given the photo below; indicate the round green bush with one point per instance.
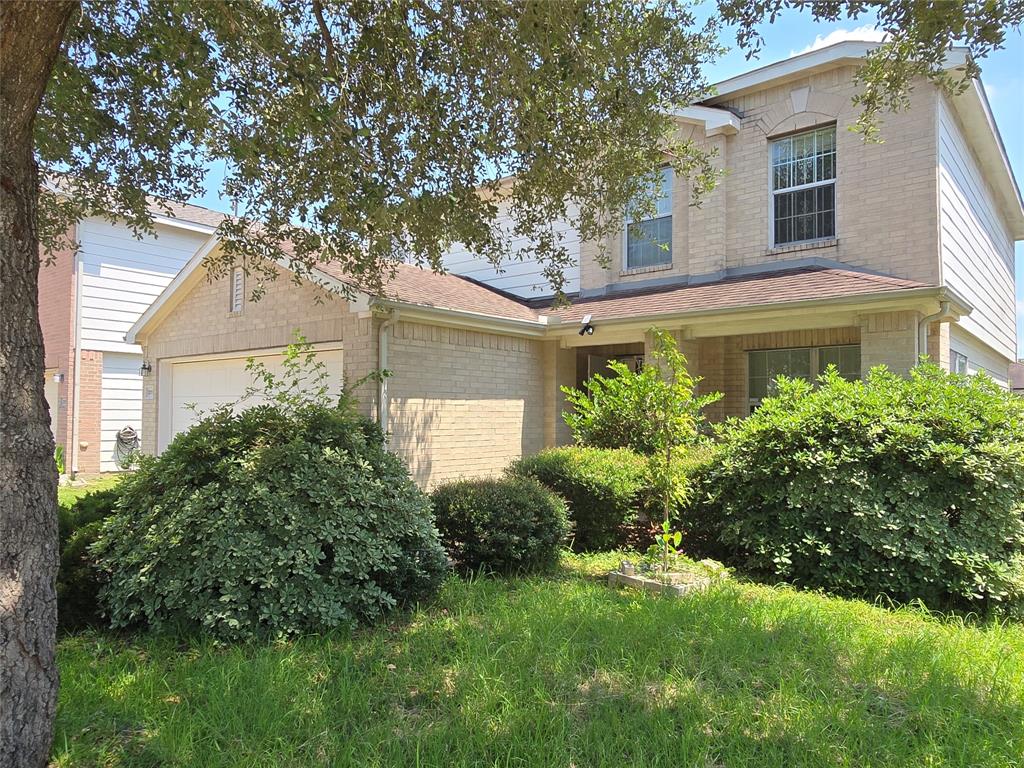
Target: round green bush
{"x": 78, "y": 580}
{"x": 508, "y": 525}
{"x": 610, "y": 495}
{"x": 910, "y": 488}
{"x": 269, "y": 523}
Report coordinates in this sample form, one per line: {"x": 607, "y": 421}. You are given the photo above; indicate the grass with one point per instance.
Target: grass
{"x": 67, "y": 495}
{"x": 562, "y": 671}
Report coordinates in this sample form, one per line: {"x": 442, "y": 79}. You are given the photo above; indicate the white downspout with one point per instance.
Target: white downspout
{"x": 382, "y": 365}
{"x": 944, "y": 313}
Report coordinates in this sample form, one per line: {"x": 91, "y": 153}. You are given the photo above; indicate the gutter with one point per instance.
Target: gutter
{"x": 77, "y": 378}
{"x": 382, "y": 365}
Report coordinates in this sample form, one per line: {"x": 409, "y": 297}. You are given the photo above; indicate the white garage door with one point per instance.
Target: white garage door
{"x": 201, "y": 385}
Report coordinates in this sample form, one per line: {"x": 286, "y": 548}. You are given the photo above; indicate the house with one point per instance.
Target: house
{"x": 816, "y": 249}
{"x": 89, "y": 297}
{"x": 1017, "y": 378}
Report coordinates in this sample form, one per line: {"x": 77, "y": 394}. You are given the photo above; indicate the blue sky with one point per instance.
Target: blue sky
{"x": 794, "y": 32}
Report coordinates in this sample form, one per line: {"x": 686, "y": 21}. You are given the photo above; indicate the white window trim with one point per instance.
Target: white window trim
{"x": 629, "y": 220}
{"x": 772, "y": 192}
{"x": 815, "y": 368}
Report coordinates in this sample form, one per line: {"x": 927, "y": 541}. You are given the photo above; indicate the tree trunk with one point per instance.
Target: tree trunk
{"x": 30, "y": 38}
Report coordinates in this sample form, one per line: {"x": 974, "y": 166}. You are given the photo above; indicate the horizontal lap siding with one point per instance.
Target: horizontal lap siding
{"x": 122, "y": 276}
{"x": 976, "y": 246}
{"x": 121, "y": 403}
{"x": 521, "y": 275}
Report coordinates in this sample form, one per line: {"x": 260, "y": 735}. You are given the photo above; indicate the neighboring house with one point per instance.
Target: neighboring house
{"x": 815, "y": 249}
{"x": 89, "y": 296}
{"x": 1017, "y": 377}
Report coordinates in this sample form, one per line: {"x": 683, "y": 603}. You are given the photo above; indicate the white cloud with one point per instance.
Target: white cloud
{"x": 866, "y": 33}
{"x": 991, "y": 91}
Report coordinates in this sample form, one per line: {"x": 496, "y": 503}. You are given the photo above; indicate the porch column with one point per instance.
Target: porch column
{"x": 938, "y": 344}
{"x": 890, "y": 339}
{"x": 687, "y": 345}
{"x": 559, "y": 371}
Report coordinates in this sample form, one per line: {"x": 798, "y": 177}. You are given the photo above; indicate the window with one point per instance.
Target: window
{"x": 958, "y": 362}
{"x": 764, "y": 366}
{"x": 804, "y": 187}
{"x": 237, "y": 299}
{"x": 649, "y": 241}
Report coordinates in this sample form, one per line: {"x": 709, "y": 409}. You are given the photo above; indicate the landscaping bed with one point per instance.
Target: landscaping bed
{"x": 560, "y": 670}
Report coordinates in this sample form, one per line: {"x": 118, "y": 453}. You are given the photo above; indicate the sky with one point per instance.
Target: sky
{"x": 795, "y": 32}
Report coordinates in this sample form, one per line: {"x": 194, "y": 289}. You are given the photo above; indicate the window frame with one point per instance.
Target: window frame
{"x": 772, "y": 192}
{"x": 955, "y": 358}
{"x": 668, "y": 189}
{"x": 815, "y": 367}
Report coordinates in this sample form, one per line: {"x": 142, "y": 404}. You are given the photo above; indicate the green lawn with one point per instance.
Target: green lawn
{"x": 562, "y": 671}
{"x": 66, "y": 495}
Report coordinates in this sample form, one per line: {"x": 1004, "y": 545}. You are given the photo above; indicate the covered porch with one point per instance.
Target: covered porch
{"x": 740, "y": 350}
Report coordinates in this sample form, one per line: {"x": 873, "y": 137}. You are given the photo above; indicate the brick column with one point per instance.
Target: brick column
{"x": 559, "y": 371}
{"x": 90, "y": 403}
{"x": 890, "y": 339}
{"x": 938, "y": 344}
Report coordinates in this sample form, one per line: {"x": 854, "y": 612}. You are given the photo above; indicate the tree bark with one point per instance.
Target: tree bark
{"x": 30, "y": 38}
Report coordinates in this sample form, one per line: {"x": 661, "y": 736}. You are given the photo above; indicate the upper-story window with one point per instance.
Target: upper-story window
{"x": 804, "y": 187}
{"x": 237, "y": 296}
{"x": 649, "y": 240}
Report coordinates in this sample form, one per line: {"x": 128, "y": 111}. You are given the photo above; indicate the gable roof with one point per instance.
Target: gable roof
{"x": 424, "y": 288}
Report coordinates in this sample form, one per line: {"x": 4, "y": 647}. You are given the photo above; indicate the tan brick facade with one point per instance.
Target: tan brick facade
{"x": 885, "y": 221}
{"x": 463, "y": 403}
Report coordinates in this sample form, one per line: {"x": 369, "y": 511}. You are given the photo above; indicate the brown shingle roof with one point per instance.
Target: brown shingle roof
{"x": 187, "y": 212}
{"x": 414, "y": 285}
{"x": 748, "y": 291}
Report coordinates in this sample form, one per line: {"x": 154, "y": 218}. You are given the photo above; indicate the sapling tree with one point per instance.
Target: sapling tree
{"x": 674, "y": 422}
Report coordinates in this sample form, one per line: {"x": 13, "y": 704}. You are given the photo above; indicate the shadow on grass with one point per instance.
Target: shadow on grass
{"x": 563, "y": 671}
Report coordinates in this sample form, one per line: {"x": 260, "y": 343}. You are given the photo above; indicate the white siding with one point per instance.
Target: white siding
{"x": 979, "y": 356}
{"x": 121, "y": 405}
{"x": 122, "y": 276}
{"x": 521, "y": 277}
{"x": 976, "y": 245}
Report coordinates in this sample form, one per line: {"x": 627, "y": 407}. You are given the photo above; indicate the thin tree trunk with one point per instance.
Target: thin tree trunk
{"x": 30, "y": 38}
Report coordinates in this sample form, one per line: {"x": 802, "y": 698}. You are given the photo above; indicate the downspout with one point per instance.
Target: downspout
{"x": 943, "y": 314}
{"x": 382, "y": 365}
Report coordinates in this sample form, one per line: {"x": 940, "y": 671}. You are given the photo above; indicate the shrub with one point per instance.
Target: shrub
{"x": 270, "y": 521}
{"x": 647, "y": 411}
{"x": 78, "y": 581}
{"x": 507, "y": 525}
{"x": 907, "y": 487}
{"x": 611, "y": 498}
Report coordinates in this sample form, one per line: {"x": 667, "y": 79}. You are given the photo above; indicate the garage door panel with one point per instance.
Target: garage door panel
{"x": 200, "y": 386}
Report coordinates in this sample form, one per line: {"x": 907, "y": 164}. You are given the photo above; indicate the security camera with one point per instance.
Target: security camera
{"x": 586, "y": 329}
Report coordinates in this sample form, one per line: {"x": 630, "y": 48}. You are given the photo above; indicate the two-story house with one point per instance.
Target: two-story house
{"x": 89, "y": 297}
{"x": 815, "y": 249}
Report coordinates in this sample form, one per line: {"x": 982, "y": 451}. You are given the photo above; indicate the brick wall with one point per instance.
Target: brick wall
{"x": 890, "y": 339}
{"x": 464, "y": 403}
{"x": 887, "y": 196}
{"x": 90, "y": 397}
